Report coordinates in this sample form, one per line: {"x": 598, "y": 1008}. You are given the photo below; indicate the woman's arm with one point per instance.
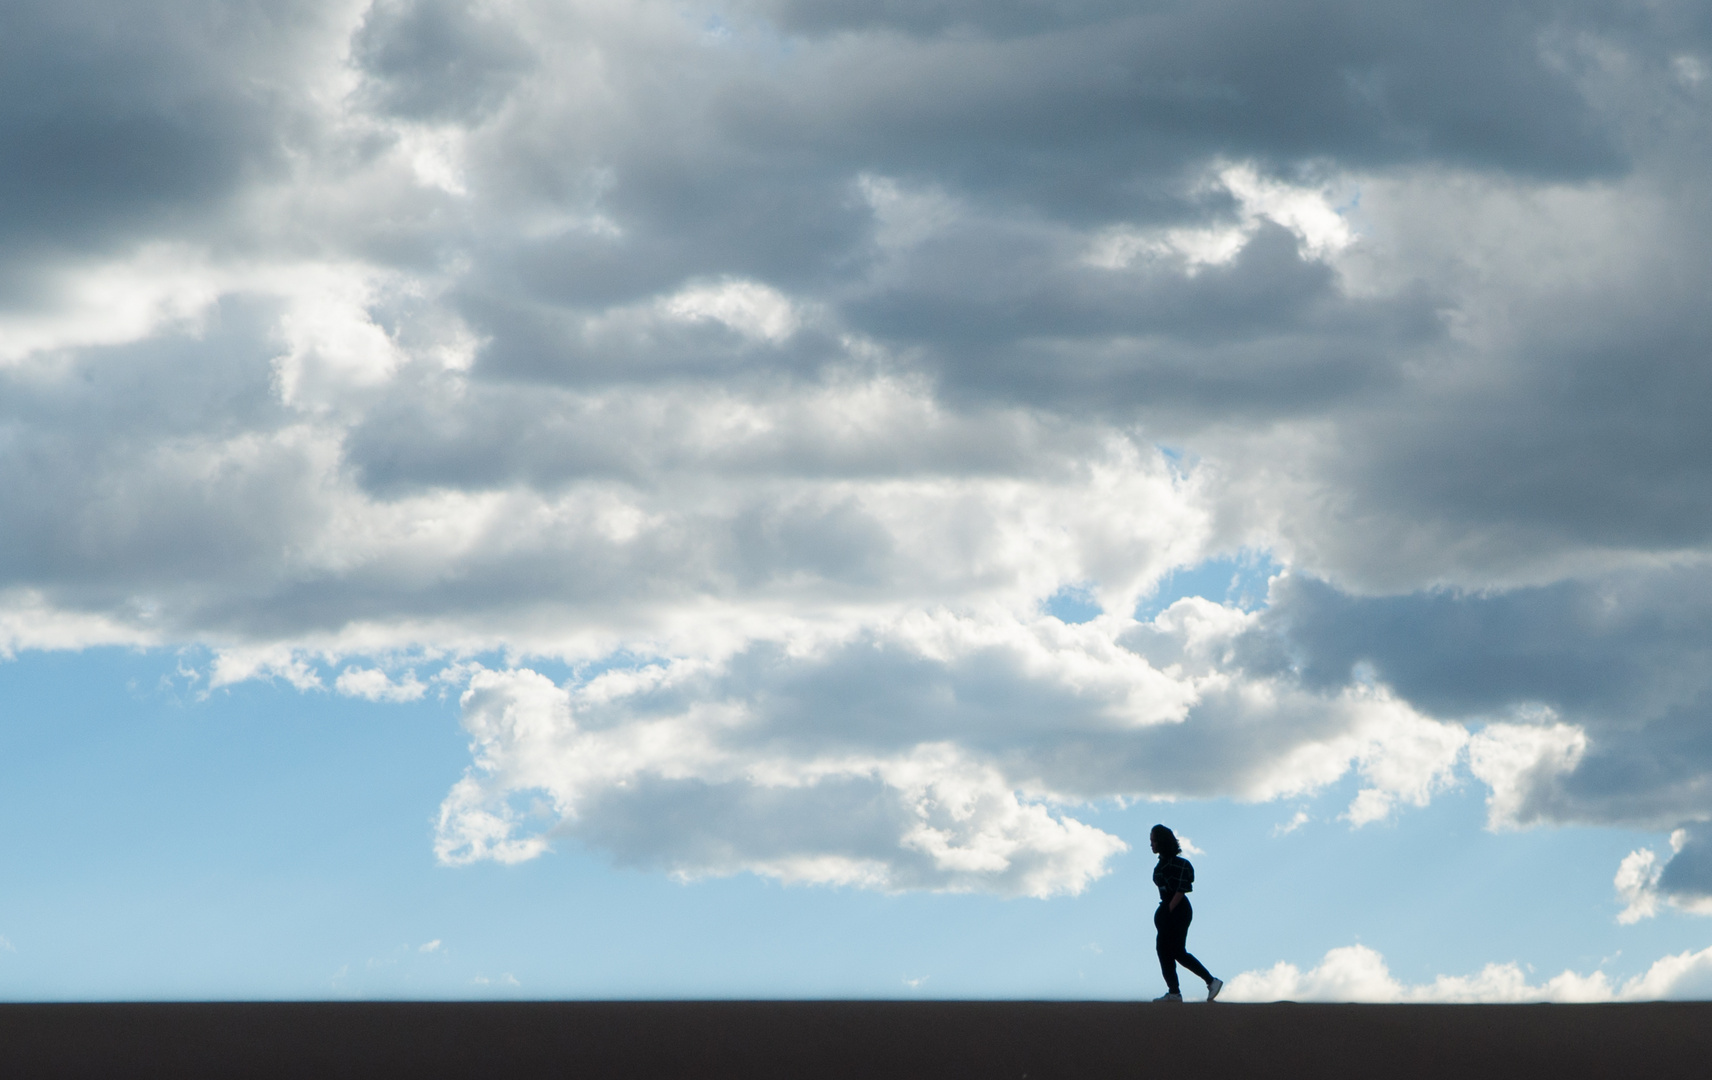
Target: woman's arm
{"x": 1175, "y": 898}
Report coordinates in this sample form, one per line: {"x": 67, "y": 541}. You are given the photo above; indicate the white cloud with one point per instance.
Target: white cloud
{"x": 1358, "y": 973}
{"x": 112, "y": 302}
{"x": 905, "y": 217}
{"x": 267, "y": 662}
{"x": 28, "y": 620}
{"x": 1512, "y": 759}
{"x": 374, "y": 684}
{"x": 334, "y": 348}
{"x": 1116, "y": 248}
{"x": 1638, "y": 880}
{"x": 1411, "y": 760}
{"x": 1637, "y": 885}
{"x": 702, "y": 803}
{"x": 748, "y": 307}
{"x": 1305, "y": 211}
{"x": 436, "y": 155}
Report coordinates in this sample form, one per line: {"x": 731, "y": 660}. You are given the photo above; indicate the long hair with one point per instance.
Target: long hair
{"x": 1167, "y": 841}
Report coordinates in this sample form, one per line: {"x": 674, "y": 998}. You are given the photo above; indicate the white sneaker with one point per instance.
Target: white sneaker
{"x": 1170, "y": 997}
{"x": 1213, "y": 988}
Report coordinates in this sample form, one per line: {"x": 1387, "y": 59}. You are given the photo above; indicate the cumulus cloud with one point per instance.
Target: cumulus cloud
{"x": 376, "y": 685}
{"x": 671, "y": 792}
{"x": 1358, "y": 973}
{"x": 775, "y": 361}
{"x": 1682, "y": 880}
{"x": 940, "y": 752}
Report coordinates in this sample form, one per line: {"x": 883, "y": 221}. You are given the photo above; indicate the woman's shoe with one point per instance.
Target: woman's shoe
{"x": 1170, "y": 997}
{"x": 1213, "y": 988}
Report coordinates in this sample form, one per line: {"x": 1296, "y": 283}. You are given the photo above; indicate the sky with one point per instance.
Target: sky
{"x": 774, "y": 498}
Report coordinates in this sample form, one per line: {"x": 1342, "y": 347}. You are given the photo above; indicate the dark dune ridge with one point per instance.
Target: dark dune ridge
{"x": 812, "y": 1040}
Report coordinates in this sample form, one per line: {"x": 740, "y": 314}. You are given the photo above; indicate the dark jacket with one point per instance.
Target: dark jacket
{"x": 1173, "y": 875}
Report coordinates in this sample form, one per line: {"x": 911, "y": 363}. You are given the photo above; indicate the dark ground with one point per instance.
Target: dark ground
{"x": 832, "y": 1039}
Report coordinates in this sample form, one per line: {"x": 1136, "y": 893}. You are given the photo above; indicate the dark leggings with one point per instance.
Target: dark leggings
{"x": 1173, "y": 927}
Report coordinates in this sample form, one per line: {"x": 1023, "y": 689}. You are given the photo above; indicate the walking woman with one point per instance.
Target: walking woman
{"x": 1175, "y": 878}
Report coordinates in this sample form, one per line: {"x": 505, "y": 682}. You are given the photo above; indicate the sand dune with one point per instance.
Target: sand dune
{"x": 942, "y": 1040}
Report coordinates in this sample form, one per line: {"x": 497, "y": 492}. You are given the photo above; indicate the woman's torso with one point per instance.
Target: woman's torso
{"x": 1173, "y": 875}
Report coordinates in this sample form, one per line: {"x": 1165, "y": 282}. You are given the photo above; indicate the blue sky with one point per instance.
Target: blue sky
{"x": 775, "y": 497}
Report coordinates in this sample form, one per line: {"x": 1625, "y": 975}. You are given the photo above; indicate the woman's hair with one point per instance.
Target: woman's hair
{"x": 1167, "y": 841}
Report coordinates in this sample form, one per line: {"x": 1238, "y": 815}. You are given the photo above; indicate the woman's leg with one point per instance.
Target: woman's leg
{"x": 1194, "y": 965}
{"x": 1168, "y": 944}
{"x": 1185, "y": 913}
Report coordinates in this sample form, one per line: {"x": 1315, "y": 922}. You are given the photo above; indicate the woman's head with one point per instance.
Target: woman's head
{"x": 1165, "y": 841}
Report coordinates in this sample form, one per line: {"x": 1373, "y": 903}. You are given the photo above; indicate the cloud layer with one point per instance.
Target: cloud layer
{"x": 777, "y": 363}
{"x": 1357, "y": 973}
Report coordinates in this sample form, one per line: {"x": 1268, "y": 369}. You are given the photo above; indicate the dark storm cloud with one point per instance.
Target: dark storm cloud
{"x": 1688, "y": 875}
{"x": 1268, "y": 333}
{"x": 439, "y": 59}
{"x": 1468, "y": 83}
{"x": 547, "y": 346}
{"x": 764, "y": 190}
{"x": 99, "y": 452}
{"x": 1587, "y": 427}
{"x": 1625, "y": 657}
{"x": 750, "y": 173}
{"x": 121, "y": 121}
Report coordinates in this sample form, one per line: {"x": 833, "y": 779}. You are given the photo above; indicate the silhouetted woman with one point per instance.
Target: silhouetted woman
{"x": 1175, "y": 878}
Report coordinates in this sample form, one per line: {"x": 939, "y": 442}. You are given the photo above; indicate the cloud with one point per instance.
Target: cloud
{"x": 941, "y": 752}
{"x": 1644, "y": 882}
{"x": 1341, "y": 78}
{"x": 1318, "y": 226}
{"x": 1637, "y": 885}
{"x": 1589, "y": 694}
{"x": 1513, "y": 758}
{"x": 1686, "y": 880}
{"x": 785, "y": 357}
{"x": 1358, "y": 973}
{"x": 375, "y": 685}
{"x": 438, "y": 59}
{"x": 671, "y": 793}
